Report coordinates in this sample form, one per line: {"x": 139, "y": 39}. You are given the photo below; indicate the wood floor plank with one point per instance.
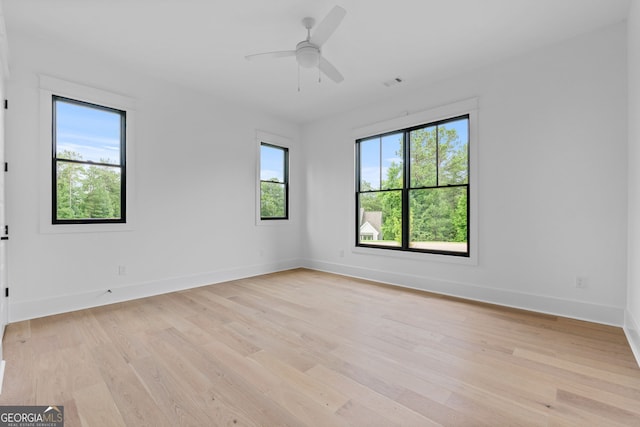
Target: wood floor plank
{"x": 438, "y": 412}
{"x": 71, "y": 416}
{"x": 67, "y": 371}
{"x": 19, "y": 384}
{"x": 127, "y": 338}
{"x": 385, "y": 375}
{"x": 307, "y": 348}
{"x": 98, "y": 407}
{"x": 363, "y": 397}
{"x": 17, "y": 332}
{"x": 172, "y": 400}
{"x": 131, "y": 398}
{"x": 203, "y": 392}
{"x": 221, "y": 383}
{"x": 599, "y": 408}
{"x": 354, "y": 413}
{"x": 324, "y": 395}
{"x": 579, "y": 368}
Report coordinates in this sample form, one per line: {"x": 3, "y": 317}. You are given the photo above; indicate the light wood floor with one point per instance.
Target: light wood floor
{"x": 308, "y": 348}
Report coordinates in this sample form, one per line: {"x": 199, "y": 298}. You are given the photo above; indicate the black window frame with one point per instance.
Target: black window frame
{"x": 54, "y": 163}
{"x": 285, "y": 151}
{"x": 407, "y": 188}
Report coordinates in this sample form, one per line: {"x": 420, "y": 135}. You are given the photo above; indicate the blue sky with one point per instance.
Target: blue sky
{"x": 371, "y": 158}
{"x": 271, "y": 163}
{"x": 93, "y": 133}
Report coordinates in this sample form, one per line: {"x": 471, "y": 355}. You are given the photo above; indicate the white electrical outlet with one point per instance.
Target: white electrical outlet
{"x": 122, "y": 270}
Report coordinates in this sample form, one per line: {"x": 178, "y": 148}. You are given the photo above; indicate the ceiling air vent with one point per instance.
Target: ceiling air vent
{"x": 392, "y": 82}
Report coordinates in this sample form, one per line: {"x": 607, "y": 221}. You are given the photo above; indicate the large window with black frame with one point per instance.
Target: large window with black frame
{"x": 88, "y": 163}
{"x": 412, "y": 189}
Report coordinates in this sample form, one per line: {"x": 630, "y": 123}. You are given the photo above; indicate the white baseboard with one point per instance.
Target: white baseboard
{"x": 24, "y": 310}
{"x": 598, "y": 313}
{"x": 632, "y": 331}
{"x": 31, "y": 309}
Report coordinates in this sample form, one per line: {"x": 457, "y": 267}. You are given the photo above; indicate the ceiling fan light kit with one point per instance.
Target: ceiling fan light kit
{"x": 307, "y": 52}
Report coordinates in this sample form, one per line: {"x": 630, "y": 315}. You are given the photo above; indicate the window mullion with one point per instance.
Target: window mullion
{"x": 88, "y": 163}
{"x": 468, "y": 215}
{"x": 437, "y": 155}
{"x": 380, "y": 163}
{"x": 406, "y": 183}
{"x": 123, "y": 164}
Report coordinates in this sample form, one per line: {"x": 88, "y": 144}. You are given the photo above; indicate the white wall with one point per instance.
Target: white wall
{"x": 632, "y": 320}
{"x": 195, "y": 189}
{"x": 552, "y": 187}
{"x": 552, "y": 182}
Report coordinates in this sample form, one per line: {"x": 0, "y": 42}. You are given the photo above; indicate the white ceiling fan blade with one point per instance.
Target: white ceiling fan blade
{"x": 271, "y": 55}
{"x": 328, "y": 26}
{"x": 330, "y": 71}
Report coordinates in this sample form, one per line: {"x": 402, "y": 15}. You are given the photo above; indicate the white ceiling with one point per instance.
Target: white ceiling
{"x": 202, "y": 43}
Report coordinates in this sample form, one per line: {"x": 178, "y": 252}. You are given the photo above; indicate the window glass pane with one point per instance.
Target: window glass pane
{"x": 272, "y": 200}
{"x": 272, "y": 161}
{"x": 423, "y": 157}
{"x": 392, "y": 163}
{"x": 87, "y": 191}
{"x": 453, "y": 149}
{"x": 87, "y": 133}
{"x": 380, "y": 218}
{"x": 370, "y": 164}
{"x": 438, "y": 219}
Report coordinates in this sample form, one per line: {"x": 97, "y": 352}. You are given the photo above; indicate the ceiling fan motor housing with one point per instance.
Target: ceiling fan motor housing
{"x": 307, "y": 54}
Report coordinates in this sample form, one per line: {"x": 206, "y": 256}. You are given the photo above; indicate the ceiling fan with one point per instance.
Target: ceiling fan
{"x": 308, "y": 52}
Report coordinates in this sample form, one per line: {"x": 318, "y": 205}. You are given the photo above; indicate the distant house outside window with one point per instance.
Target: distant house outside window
{"x": 88, "y": 163}
{"x": 274, "y": 182}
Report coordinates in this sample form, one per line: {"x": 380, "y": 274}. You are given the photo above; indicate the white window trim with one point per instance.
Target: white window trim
{"x": 50, "y": 86}
{"x": 280, "y": 141}
{"x": 468, "y": 106}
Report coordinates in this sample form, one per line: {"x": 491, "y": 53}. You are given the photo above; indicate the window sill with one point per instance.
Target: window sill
{"x": 84, "y": 228}
{"x": 415, "y": 256}
{"x": 272, "y": 222}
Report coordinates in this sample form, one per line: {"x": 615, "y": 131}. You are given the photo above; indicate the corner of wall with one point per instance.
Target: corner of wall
{"x": 632, "y": 312}
{"x": 632, "y": 331}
